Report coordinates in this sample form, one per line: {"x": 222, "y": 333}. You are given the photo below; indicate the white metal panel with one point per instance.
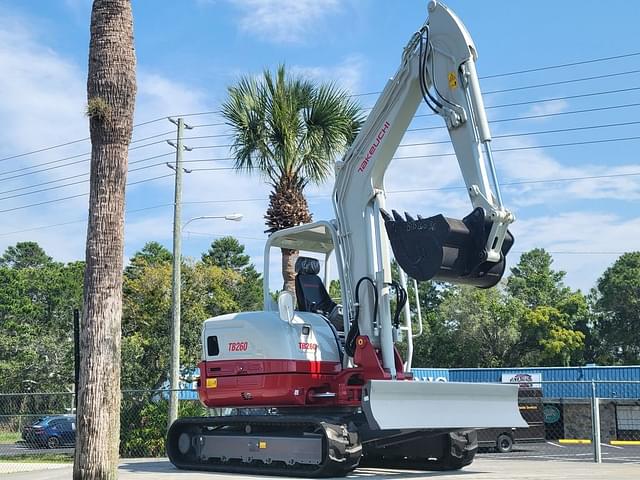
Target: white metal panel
{"x": 391, "y": 405}
{"x": 263, "y": 335}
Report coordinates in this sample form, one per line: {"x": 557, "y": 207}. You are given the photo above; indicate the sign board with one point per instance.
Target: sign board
{"x": 551, "y": 414}
{"x": 525, "y": 380}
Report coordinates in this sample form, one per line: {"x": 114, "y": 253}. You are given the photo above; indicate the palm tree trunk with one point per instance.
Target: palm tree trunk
{"x": 289, "y": 258}
{"x": 111, "y": 89}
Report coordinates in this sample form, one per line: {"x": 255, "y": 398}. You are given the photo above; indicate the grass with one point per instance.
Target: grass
{"x": 9, "y": 437}
{"x": 38, "y": 458}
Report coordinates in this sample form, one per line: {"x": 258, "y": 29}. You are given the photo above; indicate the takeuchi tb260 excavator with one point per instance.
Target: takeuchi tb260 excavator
{"x": 319, "y": 389}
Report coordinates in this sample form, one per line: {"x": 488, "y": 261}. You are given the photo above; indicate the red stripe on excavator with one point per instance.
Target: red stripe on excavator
{"x": 225, "y": 368}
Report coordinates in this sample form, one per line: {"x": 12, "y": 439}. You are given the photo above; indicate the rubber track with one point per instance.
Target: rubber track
{"x": 349, "y": 449}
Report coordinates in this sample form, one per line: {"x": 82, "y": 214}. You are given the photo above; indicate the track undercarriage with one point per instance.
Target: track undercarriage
{"x": 309, "y": 445}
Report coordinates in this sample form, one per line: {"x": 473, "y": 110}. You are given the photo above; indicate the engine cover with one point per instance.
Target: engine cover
{"x": 255, "y": 359}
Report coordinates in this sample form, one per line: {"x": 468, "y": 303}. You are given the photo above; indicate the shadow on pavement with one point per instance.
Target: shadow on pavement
{"x": 164, "y": 466}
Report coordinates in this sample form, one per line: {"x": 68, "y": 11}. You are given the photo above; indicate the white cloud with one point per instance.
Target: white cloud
{"x": 583, "y": 244}
{"x": 538, "y": 165}
{"x": 283, "y": 21}
{"x": 45, "y": 98}
{"x": 347, "y": 74}
{"x": 548, "y": 108}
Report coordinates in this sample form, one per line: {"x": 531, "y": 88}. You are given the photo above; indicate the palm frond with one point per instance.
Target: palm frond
{"x": 290, "y": 130}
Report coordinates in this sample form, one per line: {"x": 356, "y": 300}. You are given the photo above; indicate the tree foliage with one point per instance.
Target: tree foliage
{"x": 535, "y": 320}
{"x": 25, "y": 255}
{"x": 289, "y": 130}
{"x": 37, "y": 299}
{"x": 617, "y": 307}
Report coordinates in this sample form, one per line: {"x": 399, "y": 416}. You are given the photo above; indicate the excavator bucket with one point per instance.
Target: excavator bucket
{"x": 446, "y": 249}
{"x": 395, "y": 404}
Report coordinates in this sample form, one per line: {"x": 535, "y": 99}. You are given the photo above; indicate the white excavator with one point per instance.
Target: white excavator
{"x": 316, "y": 389}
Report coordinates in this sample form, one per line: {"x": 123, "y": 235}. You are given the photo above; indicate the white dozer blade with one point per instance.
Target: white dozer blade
{"x": 394, "y": 404}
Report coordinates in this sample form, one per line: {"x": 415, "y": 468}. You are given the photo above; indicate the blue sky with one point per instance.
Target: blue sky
{"x": 190, "y": 51}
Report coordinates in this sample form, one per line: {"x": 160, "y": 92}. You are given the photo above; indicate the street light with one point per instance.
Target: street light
{"x": 174, "y": 373}
{"x": 235, "y": 217}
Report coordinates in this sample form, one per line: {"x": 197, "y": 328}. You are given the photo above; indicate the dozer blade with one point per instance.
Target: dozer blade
{"x": 394, "y": 404}
{"x": 446, "y": 249}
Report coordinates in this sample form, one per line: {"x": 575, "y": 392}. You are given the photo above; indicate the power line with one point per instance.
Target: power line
{"x": 146, "y": 167}
{"x": 130, "y": 171}
{"x": 561, "y": 82}
{"x": 522, "y": 182}
{"x": 527, "y": 134}
{"x": 413, "y": 190}
{"x": 581, "y": 128}
{"x": 547, "y": 84}
{"x": 72, "y": 142}
{"x": 86, "y": 159}
{"x": 542, "y": 100}
{"x": 44, "y": 227}
{"x": 214, "y": 112}
{"x": 77, "y": 162}
{"x": 542, "y": 115}
{"x": 562, "y": 65}
{"x": 221, "y": 124}
{"x": 535, "y": 147}
{"x": 55, "y": 200}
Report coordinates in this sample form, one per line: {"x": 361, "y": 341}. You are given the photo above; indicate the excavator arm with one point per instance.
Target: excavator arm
{"x": 438, "y": 66}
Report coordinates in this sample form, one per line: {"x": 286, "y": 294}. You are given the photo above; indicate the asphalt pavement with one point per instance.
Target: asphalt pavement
{"x": 554, "y": 451}
{"x": 21, "y": 448}
{"x": 481, "y": 469}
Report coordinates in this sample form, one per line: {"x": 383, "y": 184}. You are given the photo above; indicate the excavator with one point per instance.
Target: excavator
{"x": 316, "y": 389}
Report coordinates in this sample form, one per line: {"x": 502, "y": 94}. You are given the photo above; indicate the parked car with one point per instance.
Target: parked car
{"x": 52, "y": 431}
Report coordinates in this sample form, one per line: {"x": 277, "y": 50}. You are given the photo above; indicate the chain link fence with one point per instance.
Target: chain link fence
{"x": 41, "y": 426}
{"x": 564, "y": 421}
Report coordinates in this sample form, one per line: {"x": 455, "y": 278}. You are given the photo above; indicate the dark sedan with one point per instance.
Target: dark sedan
{"x": 52, "y": 431}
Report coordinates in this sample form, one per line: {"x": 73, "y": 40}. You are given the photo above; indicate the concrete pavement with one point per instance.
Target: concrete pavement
{"x": 481, "y": 469}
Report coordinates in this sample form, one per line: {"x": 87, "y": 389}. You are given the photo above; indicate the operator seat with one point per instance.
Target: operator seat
{"x": 311, "y": 294}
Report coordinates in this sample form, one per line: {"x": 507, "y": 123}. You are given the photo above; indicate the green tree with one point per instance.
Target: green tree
{"x": 470, "y": 328}
{"x": 555, "y": 329}
{"x": 549, "y": 338}
{"x": 289, "y": 130}
{"x": 617, "y": 306}
{"x": 36, "y": 326}
{"x": 228, "y": 253}
{"x": 534, "y": 282}
{"x": 25, "y": 255}
{"x": 207, "y": 291}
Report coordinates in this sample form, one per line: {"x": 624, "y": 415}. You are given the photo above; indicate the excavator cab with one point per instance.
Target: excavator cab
{"x": 446, "y": 249}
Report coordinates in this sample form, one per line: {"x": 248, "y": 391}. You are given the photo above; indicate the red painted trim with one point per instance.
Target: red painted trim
{"x": 225, "y": 368}
{"x": 292, "y": 383}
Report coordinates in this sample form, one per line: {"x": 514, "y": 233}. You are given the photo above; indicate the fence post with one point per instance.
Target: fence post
{"x": 595, "y": 424}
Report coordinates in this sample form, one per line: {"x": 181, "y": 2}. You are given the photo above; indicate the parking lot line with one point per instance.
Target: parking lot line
{"x": 556, "y": 445}
{"x": 611, "y": 446}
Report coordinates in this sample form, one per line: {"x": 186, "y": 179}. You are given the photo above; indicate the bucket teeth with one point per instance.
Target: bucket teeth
{"x": 397, "y": 217}
{"x": 445, "y": 249}
{"x": 385, "y": 215}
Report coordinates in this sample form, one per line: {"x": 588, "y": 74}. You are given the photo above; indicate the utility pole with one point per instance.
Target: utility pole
{"x": 174, "y": 373}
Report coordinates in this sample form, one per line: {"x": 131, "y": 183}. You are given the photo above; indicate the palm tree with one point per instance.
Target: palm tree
{"x": 111, "y": 92}
{"x": 289, "y": 130}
